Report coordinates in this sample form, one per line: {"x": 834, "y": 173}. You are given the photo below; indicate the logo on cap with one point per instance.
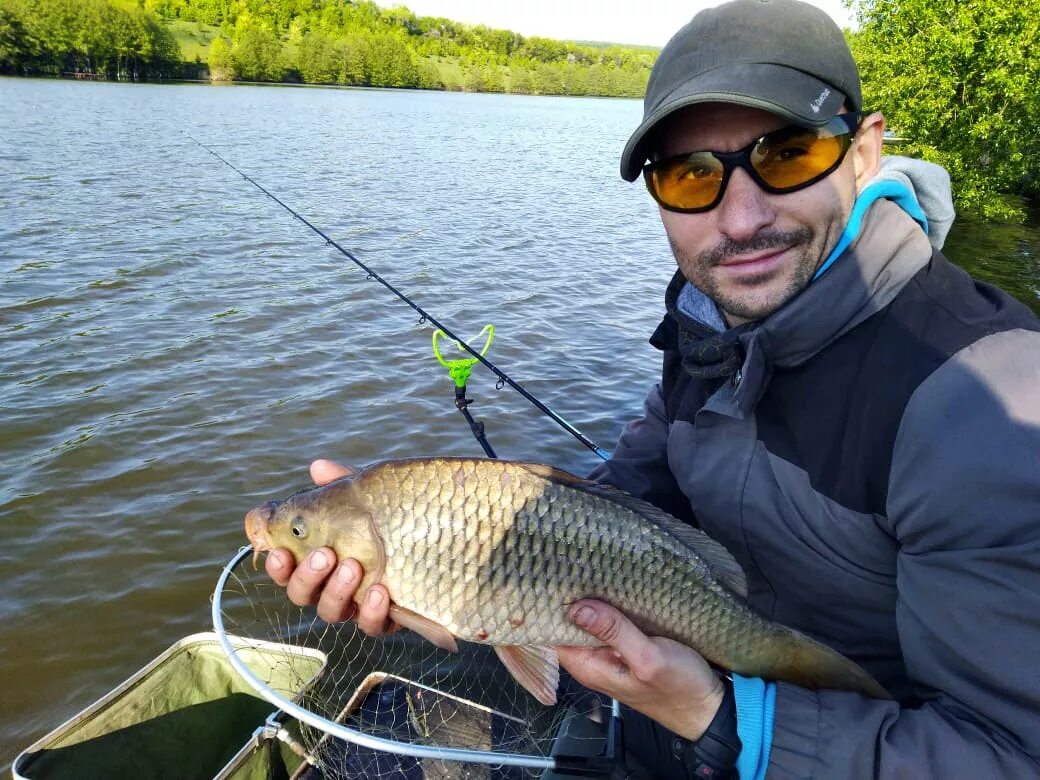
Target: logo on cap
{"x": 815, "y": 105}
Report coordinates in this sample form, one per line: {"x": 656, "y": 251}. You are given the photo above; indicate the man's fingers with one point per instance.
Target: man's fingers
{"x": 306, "y": 581}
{"x": 609, "y": 626}
{"x": 373, "y": 613}
{"x": 665, "y": 680}
{"x": 593, "y": 667}
{"x": 336, "y": 602}
{"x": 628, "y": 645}
{"x": 279, "y": 566}
{"x": 319, "y": 580}
{"x": 324, "y": 471}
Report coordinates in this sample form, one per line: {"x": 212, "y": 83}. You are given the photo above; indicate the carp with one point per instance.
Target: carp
{"x": 495, "y": 551}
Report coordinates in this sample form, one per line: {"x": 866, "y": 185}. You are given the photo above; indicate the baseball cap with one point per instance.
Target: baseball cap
{"x": 783, "y": 56}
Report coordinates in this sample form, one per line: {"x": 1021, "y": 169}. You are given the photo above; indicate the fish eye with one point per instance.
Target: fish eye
{"x": 299, "y": 527}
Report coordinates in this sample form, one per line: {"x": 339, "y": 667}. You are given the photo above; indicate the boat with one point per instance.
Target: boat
{"x": 185, "y": 714}
{"x": 189, "y": 713}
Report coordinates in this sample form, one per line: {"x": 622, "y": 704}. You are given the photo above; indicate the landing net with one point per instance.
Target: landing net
{"x": 391, "y": 707}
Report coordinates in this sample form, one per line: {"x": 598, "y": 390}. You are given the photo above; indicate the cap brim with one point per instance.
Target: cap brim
{"x": 797, "y": 96}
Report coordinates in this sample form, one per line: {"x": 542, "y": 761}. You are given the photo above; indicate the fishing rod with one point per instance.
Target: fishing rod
{"x": 610, "y": 761}
{"x": 503, "y": 377}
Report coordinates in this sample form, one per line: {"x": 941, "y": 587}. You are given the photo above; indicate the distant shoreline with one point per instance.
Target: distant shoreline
{"x": 94, "y": 78}
{"x": 328, "y": 43}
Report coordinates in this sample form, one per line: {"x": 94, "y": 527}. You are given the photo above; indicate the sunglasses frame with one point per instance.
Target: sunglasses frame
{"x": 741, "y": 158}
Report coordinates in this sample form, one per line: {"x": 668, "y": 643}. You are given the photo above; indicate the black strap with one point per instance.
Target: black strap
{"x": 714, "y": 755}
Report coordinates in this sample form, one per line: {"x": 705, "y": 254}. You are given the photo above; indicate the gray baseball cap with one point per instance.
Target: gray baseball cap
{"x": 783, "y": 56}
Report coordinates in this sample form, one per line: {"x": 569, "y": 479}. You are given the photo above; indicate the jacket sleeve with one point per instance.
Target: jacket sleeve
{"x": 964, "y": 505}
{"x": 639, "y": 463}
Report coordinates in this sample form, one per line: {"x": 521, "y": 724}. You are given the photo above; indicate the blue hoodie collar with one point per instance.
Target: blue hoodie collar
{"x": 895, "y": 191}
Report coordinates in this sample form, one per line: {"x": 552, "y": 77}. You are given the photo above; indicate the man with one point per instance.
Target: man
{"x": 853, "y": 417}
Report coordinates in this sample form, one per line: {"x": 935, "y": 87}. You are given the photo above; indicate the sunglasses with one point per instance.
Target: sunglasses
{"x": 785, "y": 160}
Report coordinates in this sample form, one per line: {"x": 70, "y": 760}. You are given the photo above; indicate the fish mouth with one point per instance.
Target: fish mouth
{"x": 257, "y": 520}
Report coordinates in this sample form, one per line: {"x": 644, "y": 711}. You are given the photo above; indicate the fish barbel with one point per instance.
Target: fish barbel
{"x": 495, "y": 551}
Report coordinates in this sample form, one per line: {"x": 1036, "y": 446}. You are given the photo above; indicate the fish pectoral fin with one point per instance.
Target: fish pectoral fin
{"x": 424, "y": 627}
{"x": 536, "y": 668}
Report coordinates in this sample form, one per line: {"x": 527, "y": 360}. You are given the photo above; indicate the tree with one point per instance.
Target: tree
{"x": 257, "y": 55}
{"x": 317, "y": 59}
{"x": 391, "y": 63}
{"x": 428, "y": 78}
{"x": 520, "y": 80}
{"x": 960, "y": 80}
{"x": 353, "y": 55}
{"x": 221, "y": 66}
{"x": 111, "y": 38}
{"x": 16, "y": 46}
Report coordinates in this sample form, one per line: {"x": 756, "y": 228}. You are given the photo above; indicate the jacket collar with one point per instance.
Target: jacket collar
{"x": 888, "y": 251}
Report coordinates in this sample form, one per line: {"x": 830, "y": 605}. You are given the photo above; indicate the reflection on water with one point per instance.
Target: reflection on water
{"x": 1003, "y": 254}
{"x": 176, "y": 348}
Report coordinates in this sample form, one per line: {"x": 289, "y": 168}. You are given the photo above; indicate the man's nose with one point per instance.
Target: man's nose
{"x": 745, "y": 208}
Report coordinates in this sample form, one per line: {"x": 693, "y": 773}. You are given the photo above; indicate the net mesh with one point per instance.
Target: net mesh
{"x": 398, "y": 687}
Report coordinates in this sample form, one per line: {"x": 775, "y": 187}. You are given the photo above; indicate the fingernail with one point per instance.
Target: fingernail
{"x": 374, "y": 598}
{"x": 319, "y": 561}
{"x": 277, "y": 562}
{"x": 583, "y": 616}
{"x": 345, "y": 574}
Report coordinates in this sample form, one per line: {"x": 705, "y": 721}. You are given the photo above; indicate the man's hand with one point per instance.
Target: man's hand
{"x": 662, "y": 679}
{"x": 319, "y": 580}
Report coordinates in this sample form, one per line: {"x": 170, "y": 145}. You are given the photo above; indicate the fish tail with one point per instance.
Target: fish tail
{"x": 816, "y": 666}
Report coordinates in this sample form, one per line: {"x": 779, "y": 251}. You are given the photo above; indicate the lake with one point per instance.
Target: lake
{"x": 177, "y": 348}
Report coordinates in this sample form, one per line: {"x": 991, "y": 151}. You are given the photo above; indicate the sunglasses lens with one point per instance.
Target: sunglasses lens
{"x": 794, "y": 156}
{"x": 782, "y": 161}
{"x": 687, "y": 182}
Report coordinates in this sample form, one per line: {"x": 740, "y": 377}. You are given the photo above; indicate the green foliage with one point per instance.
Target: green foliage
{"x": 116, "y": 39}
{"x": 15, "y": 43}
{"x": 390, "y": 62}
{"x": 193, "y": 38}
{"x": 256, "y": 54}
{"x": 960, "y": 80}
{"x": 221, "y": 65}
{"x": 349, "y": 42}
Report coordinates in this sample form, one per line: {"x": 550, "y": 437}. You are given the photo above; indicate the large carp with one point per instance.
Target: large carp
{"x": 495, "y": 551}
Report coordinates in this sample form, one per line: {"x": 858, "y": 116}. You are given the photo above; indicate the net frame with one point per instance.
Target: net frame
{"x": 341, "y": 731}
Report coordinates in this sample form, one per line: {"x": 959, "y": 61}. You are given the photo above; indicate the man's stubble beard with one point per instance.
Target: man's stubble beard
{"x": 697, "y": 270}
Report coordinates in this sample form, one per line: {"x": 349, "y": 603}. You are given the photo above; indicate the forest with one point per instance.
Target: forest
{"x": 304, "y": 41}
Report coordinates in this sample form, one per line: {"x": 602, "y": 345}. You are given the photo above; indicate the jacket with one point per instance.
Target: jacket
{"x": 872, "y": 460}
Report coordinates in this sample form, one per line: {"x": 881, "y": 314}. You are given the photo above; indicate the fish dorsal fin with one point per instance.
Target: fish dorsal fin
{"x": 424, "y": 627}
{"x": 536, "y": 668}
{"x": 556, "y": 475}
{"x": 721, "y": 562}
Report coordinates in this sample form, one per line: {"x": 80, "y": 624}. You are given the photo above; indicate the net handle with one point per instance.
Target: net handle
{"x": 337, "y": 729}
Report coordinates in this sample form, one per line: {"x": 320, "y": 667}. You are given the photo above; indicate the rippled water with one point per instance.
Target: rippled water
{"x": 176, "y": 347}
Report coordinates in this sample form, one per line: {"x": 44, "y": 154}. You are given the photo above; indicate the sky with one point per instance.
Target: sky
{"x": 644, "y": 22}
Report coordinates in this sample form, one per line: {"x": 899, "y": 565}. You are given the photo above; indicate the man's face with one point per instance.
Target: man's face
{"x": 755, "y": 251}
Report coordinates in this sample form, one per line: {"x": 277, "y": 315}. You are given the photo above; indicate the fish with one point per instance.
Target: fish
{"x": 495, "y": 552}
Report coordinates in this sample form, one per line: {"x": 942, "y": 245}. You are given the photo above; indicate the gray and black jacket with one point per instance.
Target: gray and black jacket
{"x": 872, "y": 460}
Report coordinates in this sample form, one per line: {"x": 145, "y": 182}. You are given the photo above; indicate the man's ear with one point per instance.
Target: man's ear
{"x": 866, "y": 149}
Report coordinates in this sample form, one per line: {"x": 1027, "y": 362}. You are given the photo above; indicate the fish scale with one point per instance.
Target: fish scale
{"x": 495, "y": 551}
